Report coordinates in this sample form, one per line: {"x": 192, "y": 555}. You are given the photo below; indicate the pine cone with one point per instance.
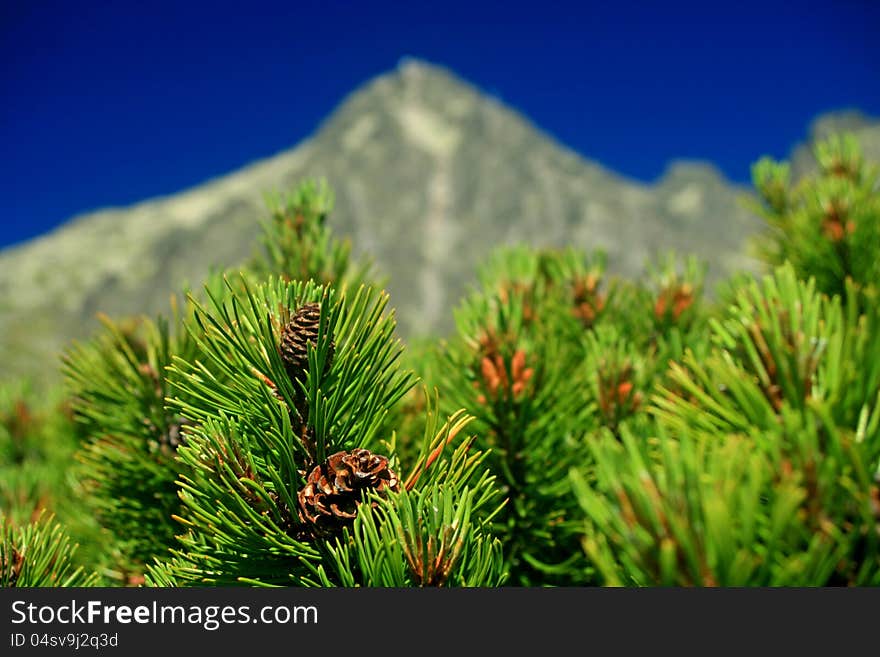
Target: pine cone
{"x": 333, "y": 489}
{"x": 302, "y": 329}
{"x": 12, "y": 564}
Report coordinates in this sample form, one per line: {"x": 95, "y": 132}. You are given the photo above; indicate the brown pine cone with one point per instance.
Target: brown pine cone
{"x": 12, "y": 565}
{"x": 333, "y": 489}
{"x": 302, "y": 329}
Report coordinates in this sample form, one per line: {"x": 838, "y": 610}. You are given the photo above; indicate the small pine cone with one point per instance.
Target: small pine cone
{"x": 302, "y": 329}
{"x": 333, "y": 489}
{"x": 12, "y": 564}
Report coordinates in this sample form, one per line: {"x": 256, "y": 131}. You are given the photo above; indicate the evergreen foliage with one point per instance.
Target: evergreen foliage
{"x": 828, "y": 225}
{"x": 575, "y": 429}
{"x": 512, "y": 365}
{"x": 38, "y": 443}
{"x": 39, "y": 554}
{"x": 118, "y": 382}
{"x": 298, "y": 245}
{"x": 761, "y": 469}
{"x": 760, "y": 462}
{"x": 261, "y": 432}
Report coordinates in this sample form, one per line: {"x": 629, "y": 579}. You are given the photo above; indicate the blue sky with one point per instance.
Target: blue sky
{"x": 108, "y": 103}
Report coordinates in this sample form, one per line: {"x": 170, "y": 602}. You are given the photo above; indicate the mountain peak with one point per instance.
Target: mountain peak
{"x": 430, "y": 174}
{"x": 412, "y": 80}
{"x": 687, "y": 170}
{"x": 410, "y": 67}
{"x": 844, "y": 120}
{"x": 866, "y": 128}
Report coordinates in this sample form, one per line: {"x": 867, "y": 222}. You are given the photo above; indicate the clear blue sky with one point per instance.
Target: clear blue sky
{"x": 107, "y": 103}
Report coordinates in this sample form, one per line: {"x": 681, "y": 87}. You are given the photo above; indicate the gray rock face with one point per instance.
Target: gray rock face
{"x": 429, "y": 176}
{"x": 865, "y": 129}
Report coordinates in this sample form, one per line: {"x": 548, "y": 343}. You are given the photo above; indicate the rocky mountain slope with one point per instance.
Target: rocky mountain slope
{"x": 429, "y": 175}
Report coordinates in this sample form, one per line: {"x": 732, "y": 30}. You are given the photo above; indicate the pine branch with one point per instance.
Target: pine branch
{"x": 39, "y": 554}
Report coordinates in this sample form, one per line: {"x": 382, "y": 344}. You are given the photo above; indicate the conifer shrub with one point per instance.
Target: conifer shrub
{"x": 759, "y": 462}
{"x": 575, "y": 428}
